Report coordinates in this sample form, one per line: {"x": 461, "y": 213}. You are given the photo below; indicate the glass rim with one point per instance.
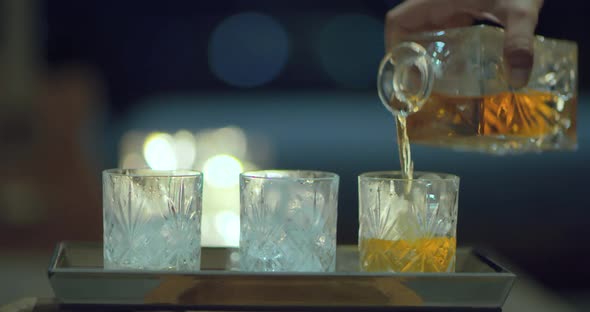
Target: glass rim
{"x": 289, "y": 174}
{"x": 392, "y": 175}
{"x": 153, "y": 173}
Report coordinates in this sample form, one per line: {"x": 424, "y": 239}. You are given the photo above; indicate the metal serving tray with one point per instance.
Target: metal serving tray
{"x": 77, "y": 277}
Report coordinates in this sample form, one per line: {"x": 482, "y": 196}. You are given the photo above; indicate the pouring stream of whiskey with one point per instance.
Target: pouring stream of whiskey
{"x": 405, "y": 154}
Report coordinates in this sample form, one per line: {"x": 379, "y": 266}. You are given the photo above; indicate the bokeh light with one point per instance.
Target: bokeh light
{"x": 248, "y": 49}
{"x": 234, "y": 139}
{"x": 159, "y": 151}
{"x": 230, "y": 140}
{"x": 349, "y": 48}
{"x": 185, "y": 149}
{"x": 220, "y": 153}
{"x": 222, "y": 171}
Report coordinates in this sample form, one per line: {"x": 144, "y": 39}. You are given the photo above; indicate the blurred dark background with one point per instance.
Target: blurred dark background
{"x": 89, "y": 85}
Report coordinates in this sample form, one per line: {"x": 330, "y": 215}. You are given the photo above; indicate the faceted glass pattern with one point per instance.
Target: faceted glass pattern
{"x": 288, "y": 221}
{"x": 408, "y": 225}
{"x": 453, "y": 88}
{"x": 152, "y": 219}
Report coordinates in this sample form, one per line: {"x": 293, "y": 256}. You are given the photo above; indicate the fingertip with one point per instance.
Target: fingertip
{"x": 519, "y": 77}
{"x": 520, "y": 64}
{"x": 521, "y": 21}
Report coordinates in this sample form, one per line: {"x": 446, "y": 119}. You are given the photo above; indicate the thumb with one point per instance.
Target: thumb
{"x": 519, "y": 45}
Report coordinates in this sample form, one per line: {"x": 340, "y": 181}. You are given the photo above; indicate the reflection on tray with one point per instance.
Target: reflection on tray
{"x": 77, "y": 277}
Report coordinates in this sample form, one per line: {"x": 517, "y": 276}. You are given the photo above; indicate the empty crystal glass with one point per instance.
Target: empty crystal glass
{"x": 288, "y": 221}
{"x": 152, "y": 219}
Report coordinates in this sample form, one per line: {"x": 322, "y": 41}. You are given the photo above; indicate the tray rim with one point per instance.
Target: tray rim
{"x": 499, "y": 276}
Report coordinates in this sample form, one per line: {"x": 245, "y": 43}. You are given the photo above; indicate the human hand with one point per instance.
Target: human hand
{"x": 519, "y": 18}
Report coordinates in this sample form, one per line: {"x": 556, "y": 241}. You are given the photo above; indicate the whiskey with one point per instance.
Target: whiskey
{"x": 403, "y": 145}
{"x": 435, "y": 254}
{"x": 499, "y": 123}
